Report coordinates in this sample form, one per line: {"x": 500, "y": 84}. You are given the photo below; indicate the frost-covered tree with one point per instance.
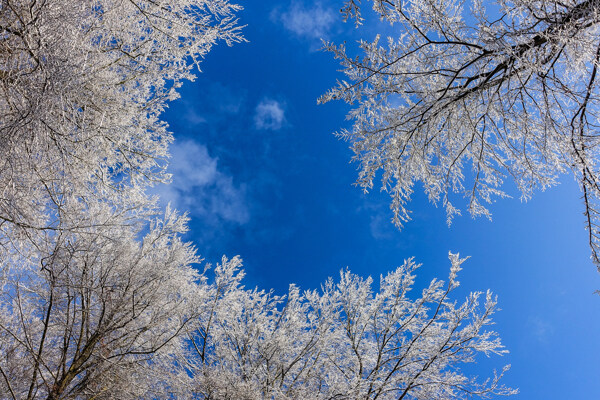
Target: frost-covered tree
{"x": 93, "y": 297}
{"x": 93, "y": 313}
{"x": 469, "y": 94}
{"x": 82, "y": 85}
{"x": 106, "y": 319}
{"x": 346, "y": 341}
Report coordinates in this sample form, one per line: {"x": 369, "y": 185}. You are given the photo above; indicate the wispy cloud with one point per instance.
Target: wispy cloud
{"x": 312, "y": 22}
{"x": 381, "y": 227}
{"x": 380, "y": 219}
{"x": 269, "y": 115}
{"x": 217, "y": 102}
{"x": 199, "y": 187}
{"x": 540, "y": 329}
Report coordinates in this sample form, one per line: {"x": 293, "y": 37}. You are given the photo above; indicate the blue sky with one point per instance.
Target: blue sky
{"x": 258, "y": 169}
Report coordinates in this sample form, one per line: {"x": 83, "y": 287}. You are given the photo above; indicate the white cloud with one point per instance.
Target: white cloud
{"x": 308, "y": 22}
{"x": 199, "y": 188}
{"x": 269, "y": 114}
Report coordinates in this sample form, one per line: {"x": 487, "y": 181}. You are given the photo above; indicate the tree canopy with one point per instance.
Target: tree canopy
{"x": 100, "y": 297}
{"x": 467, "y": 96}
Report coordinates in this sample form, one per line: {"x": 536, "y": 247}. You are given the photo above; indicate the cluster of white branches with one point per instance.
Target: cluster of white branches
{"x": 469, "y": 95}
{"x": 119, "y": 319}
{"x": 100, "y": 298}
{"x": 83, "y": 84}
{"x": 343, "y": 342}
